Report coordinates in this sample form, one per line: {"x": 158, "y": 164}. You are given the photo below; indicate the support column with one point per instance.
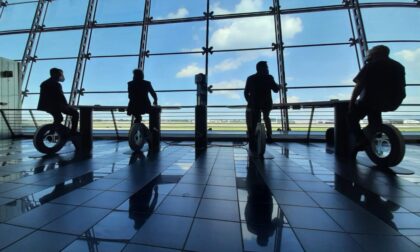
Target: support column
{"x": 144, "y": 32}
{"x": 279, "y": 48}
{"x": 341, "y": 130}
{"x": 76, "y": 89}
{"x": 154, "y": 125}
{"x": 201, "y": 112}
{"x": 361, "y": 39}
{"x": 33, "y": 39}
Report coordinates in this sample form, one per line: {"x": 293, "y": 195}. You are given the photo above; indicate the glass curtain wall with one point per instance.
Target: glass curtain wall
{"x": 318, "y": 41}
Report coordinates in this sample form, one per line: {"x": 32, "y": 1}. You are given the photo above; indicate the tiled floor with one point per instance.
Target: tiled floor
{"x": 303, "y": 199}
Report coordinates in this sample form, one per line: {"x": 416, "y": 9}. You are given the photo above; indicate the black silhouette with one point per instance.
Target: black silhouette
{"x": 258, "y": 95}
{"x": 53, "y": 101}
{"x": 138, "y": 93}
{"x": 259, "y": 207}
{"x": 380, "y": 87}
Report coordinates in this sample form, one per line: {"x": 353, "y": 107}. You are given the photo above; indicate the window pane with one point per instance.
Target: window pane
{"x": 109, "y": 74}
{"x": 112, "y": 11}
{"x": 391, "y": 23}
{"x": 19, "y": 16}
{"x": 316, "y": 27}
{"x": 220, "y": 7}
{"x": 59, "y": 44}
{"x": 165, "y": 74}
{"x": 163, "y": 9}
{"x": 230, "y": 70}
{"x": 289, "y": 4}
{"x": 242, "y": 33}
{"x": 66, "y": 12}
{"x": 176, "y": 37}
{"x": 328, "y": 65}
{"x": 13, "y": 46}
{"x": 125, "y": 40}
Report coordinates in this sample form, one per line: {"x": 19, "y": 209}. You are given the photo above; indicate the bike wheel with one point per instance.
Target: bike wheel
{"x": 50, "y": 138}
{"x": 387, "y": 146}
{"x": 137, "y": 136}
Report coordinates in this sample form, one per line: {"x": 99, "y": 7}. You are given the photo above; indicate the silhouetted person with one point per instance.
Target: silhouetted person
{"x": 380, "y": 87}
{"x": 53, "y": 101}
{"x": 138, "y": 93}
{"x": 143, "y": 203}
{"x": 258, "y": 95}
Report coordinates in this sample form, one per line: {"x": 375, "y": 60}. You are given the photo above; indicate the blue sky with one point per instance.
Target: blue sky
{"x": 335, "y": 65}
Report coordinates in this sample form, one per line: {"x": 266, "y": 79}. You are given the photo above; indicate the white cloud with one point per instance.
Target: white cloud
{"x": 180, "y": 13}
{"x": 340, "y": 96}
{"x": 189, "y": 71}
{"x": 411, "y": 61}
{"x": 250, "y": 32}
{"x": 229, "y": 84}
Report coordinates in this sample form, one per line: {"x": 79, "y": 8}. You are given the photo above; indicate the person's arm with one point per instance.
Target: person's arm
{"x": 246, "y": 91}
{"x": 153, "y": 94}
{"x": 273, "y": 85}
{"x": 360, "y": 85}
{"x": 60, "y": 95}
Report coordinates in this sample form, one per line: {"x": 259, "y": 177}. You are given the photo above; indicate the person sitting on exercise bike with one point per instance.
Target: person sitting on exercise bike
{"x": 258, "y": 95}
{"x": 53, "y": 101}
{"x": 380, "y": 87}
{"x": 138, "y": 93}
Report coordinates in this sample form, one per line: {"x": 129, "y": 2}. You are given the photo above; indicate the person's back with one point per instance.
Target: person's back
{"x": 138, "y": 94}
{"x": 51, "y": 97}
{"x": 259, "y": 87}
{"x": 385, "y": 84}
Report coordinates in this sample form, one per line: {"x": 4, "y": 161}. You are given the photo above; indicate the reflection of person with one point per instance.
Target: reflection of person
{"x": 138, "y": 93}
{"x": 258, "y": 95}
{"x": 380, "y": 87}
{"x": 143, "y": 203}
{"x": 259, "y": 207}
{"x": 53, "y": 101}
{"x": 373, "y": 202}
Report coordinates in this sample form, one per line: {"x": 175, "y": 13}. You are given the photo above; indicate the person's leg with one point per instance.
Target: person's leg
{"x": 58, "y": 118}
{"x": 357, "y": 113}
{"x": 375, "y": 121}
{"x": 74, "y": 117}
{"x": 267, "y": 121}
{"x": 137, "y": 118}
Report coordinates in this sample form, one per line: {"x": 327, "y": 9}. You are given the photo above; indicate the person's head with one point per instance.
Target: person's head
{"x": 262, "y": 67}
{"x": 57, "y": 74}
{"x": 378, "y": 52}
{"x": 138, "y": 74}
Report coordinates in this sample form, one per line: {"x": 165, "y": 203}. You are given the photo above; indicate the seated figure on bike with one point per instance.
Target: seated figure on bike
{"x": 138, "y": 93}
{"x": 380, "y": 87}
{"x": 258, "y": 95}
{"x": 53, "y": 101}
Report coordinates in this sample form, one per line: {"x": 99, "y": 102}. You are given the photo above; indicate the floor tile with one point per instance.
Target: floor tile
{"x": 99, "y": 245}
{"x": 385, "y": 243}
{"x": 188, "y": 190}
{"x": 315, "y": 240}
{"x": 137, "y": 247}
{"x": 165, "y": 231}
{"x": 10, "y": 234}
{"x": 77, "y": 197}
{"x": 42, "y": 241}
{"x": 182, "y": 206}
{"x": 218, "y": 209}
{"x": 109, "y": 200}
{"x": 220, "y": 192}
{"x": 310, "y": 218}
{"x": 213, "y": 235}
{"x": 77, "y": 221}
{"x": 293, "y": 198}
{"x": 118, "y": 226}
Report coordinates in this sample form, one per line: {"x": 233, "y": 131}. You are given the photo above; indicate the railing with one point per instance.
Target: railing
{"x": 304, "y": 118}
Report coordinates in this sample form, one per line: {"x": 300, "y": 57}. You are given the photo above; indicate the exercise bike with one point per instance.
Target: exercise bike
{"x": 50, "y": 138}
{"x": 385, "y": 144}
{"x": 138, "y": 135}
{"x": 257, "y": 137}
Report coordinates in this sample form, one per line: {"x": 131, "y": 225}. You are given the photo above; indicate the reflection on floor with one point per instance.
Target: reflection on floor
{"x": 303, "y": 199}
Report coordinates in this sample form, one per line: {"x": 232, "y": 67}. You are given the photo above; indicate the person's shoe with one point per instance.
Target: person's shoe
{"x": 269, "y": 139}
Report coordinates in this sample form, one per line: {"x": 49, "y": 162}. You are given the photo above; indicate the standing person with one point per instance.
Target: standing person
{"x": 380, "y": 87}
{"x": 53, "y": 101}
{"x": 138, "y": 93}
{"x": 258, "y": 95}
